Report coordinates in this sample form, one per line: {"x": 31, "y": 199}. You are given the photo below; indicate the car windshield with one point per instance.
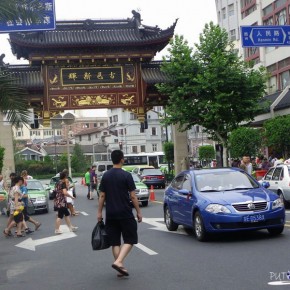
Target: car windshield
{"x": 34, "y": 185}
{"x": 135, "y": 178}
{"x": 221, "y": 181}
{"x": 152, "y": 172}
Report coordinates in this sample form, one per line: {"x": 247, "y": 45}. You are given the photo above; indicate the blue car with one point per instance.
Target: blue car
{"x": 221, "y": 200}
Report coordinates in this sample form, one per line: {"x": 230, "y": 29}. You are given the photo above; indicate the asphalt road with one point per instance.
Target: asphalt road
{"x": 162, "y": 261}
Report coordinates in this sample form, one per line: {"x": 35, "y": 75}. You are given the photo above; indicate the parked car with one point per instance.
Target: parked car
{"x": 54, "y": 180}
{"x": 38, "y": 197}
{"x": 153, "y": 177}
{"x": 142, "y": 191}
{"x": 279, "y": 180}
{"x": 139, "y": 169}
{"x": 221, "y": 200}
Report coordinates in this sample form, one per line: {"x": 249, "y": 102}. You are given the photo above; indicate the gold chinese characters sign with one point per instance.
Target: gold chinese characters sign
{"x": 115, "y": 86}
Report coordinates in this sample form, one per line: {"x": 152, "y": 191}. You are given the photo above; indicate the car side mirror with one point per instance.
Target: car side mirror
{"x": 265, "y": 184}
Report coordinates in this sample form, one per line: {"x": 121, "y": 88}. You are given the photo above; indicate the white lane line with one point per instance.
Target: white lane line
{"x": 145, "y": 249}
{"x": 84, "y": 213}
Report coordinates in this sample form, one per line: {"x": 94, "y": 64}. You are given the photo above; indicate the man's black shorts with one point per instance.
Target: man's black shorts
{"x": 61, "y": 212}
{"x": 125, "y": 227}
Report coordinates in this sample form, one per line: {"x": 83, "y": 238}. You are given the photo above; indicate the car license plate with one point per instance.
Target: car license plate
{"x": 253, "y": 218}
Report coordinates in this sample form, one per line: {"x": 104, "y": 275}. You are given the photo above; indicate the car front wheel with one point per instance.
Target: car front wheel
{"x": 199, "y": 229}
{"x": 170, "y": 224}
{"x": 275, "y": 231}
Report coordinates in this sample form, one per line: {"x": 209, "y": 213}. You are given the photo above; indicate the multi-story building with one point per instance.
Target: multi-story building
{"x": 259, "y": 12}
{"x": 134, "y": 137}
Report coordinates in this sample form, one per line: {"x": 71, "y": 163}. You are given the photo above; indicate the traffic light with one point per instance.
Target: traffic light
{"x": 121, "y": 145}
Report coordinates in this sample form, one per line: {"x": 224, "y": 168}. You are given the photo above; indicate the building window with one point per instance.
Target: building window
{"x": 111, "y": 120}
{"x": 115, "y": 140}
{"x": 89, "y": 137}
{"x": 267, "y": 10}
{"x": 95, "y": 125}
{"x": 281, "y": 18}
{"x": 115, "y": 118}
{"x": 133, "y": 116}
{"x": 280, "y": 3}
{"x": 285, "y": 79}
{"x": 58, "y": 132}
{"x": 268, "y": 21}
{"x": 219, "y": 16}
{"x": 272, "y": 85}
{"x": 143, "y": 148}
{"x": 121, "y": 132}
{"x": 142, "y": 130}
{"x": 101, "y": 124}
{"x": 233, "y": 35}
{"x": 134, "y": 149}
{"x": 47, "y": 132}
{"x": 153, "y": 131}
{"x": 224, "y": 13}
{"x": 34, "y": 133}
{"x": 116, "y": 133}
{"x": 105, "y": 133}
{"x": 154, "y": 147}
{"x": 231, "y": 10}
{"x": 80, "y": 138}
{"x": 19, "y": 134}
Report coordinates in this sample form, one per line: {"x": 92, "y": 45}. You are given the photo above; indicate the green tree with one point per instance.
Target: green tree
{"x": 206, "y": 152}
{"x": 2, "y": 151}
{"x": 245, "y": 141}
{"x": 13, "y": 102}
{"x": 78, "y": 159}
{"x": 168, "y": 148}
{"x": 212, "y": 86}
{"x": 277, "y": 134}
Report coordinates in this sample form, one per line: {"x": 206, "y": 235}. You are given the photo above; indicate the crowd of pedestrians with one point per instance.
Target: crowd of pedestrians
{"x": 18, "y": 201}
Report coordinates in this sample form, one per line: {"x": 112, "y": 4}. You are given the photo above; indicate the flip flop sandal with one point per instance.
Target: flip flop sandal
{"x": 121, "y": 270}
{"x": 6, "y": 234}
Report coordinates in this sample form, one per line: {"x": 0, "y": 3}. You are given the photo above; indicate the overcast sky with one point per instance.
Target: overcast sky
{"x": 192, "y": 15}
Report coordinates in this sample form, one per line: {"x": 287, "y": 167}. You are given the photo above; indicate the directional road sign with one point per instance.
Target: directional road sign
{"x": 253, "y": 36}
{"x": 47, "y": 21}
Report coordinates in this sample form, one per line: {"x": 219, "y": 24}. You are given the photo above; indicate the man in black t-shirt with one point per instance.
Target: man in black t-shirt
{"x": 117, "y": 188}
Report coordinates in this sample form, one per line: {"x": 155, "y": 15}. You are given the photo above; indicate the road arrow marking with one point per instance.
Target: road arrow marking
{"x": 158, "y": 226}
{"x": 145, "y": 249}
{"x": 30, "y": 244}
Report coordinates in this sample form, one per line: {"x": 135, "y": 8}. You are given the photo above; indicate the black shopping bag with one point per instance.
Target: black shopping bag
{"x": 100, "y": 240}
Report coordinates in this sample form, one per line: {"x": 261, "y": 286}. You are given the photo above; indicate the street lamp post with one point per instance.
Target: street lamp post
{"x": 65, "y": 120}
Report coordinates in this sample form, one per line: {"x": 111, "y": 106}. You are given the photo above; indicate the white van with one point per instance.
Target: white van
{"x": 102, "y": 166}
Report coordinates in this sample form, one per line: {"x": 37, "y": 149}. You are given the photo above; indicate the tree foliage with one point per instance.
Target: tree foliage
{"x": 2, "y": 151}
{"x": 168, "y": 148}
{"x": 206, "y": 152}
{"x": 245, "y": 141}
{"x": 13, "y": 102}
{"x": 78, "y": 159}
{"x": 212, "y": 86}
{"x": 277, "y": 134}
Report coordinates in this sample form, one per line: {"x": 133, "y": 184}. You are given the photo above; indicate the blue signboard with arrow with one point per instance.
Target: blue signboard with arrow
{"x": 253, "y": 36}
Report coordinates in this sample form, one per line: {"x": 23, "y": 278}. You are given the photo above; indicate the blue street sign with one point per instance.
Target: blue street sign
{"x": 253, "y": 36}
{"x": 47, "y": 22}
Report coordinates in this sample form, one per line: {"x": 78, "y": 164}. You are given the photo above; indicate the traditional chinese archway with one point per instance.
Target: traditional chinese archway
{"x": 92, "y": 64}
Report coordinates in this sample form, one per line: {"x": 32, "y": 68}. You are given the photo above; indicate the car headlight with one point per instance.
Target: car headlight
{"x": 143, "y": 190}
{"x": 41, "y": 198}
{"x": 217, "y": 208}
{"x": 277, "y": 203}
